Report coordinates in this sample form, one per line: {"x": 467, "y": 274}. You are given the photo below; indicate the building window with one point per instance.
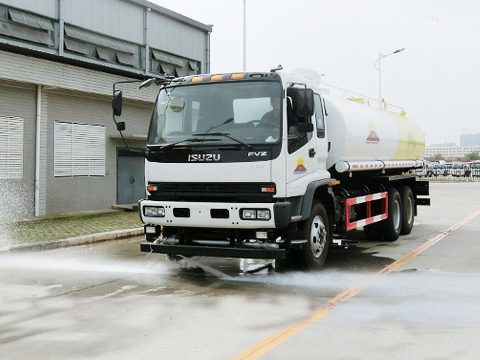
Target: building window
{"x": 90, "y": 44}
{"x": 11, "y": 147}
{"x": 25, "y": 26}
{"x": 79, "y": 149}
{"x": 164, "y": 63}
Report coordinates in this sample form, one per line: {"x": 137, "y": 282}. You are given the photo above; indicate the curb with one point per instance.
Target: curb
{"x": 76, "y": 241}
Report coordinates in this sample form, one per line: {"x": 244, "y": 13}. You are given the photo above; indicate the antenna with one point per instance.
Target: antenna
{"x": 277, "y": 68}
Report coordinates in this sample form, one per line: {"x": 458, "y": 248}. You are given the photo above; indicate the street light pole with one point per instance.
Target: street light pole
{"x": 244, "y": 35}
{"x": 380, "y": 57}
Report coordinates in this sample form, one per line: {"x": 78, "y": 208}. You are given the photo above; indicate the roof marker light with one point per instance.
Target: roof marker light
{"x": 237, "y": 76}
{"x": 197, "y": 79}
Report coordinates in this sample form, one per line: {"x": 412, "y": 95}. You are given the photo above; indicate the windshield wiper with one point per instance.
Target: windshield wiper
{"x": 227, "y": 136}
{"x": 169, "y": 146}
{"x": 228, "y": 121}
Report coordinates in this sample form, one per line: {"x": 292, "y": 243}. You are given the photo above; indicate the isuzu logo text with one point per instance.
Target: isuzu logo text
{"x": 203, "y": 157}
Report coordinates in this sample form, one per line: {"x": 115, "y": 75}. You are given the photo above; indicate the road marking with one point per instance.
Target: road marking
{"x": 274, "y": 340}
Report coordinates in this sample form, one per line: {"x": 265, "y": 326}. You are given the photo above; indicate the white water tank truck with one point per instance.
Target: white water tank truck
{"x": 271, "y": 165}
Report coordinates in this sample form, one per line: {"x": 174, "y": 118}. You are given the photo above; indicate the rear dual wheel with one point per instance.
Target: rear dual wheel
{"x": 401, "y": 213}
{"x": 408, "y": 209}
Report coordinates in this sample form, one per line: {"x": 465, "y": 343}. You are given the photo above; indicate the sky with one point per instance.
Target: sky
{"x": 435, "y": 79}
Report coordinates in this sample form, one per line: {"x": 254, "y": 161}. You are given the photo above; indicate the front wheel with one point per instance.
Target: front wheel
{"x": 317, "y": 232}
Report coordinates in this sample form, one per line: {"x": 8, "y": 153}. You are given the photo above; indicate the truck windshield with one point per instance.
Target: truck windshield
{"x": 237, "y": 113}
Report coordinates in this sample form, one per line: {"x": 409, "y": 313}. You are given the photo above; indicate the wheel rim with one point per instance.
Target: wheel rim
{"x": 318, "y": 236}
{"x": 409, "y": 210}
{"x": 396, "y": 214}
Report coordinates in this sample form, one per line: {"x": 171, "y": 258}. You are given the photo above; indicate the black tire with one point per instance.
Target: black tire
{"x": 392, "y": 226}
{"x": 408, "y": 210}
{"x": 318, "y": 235}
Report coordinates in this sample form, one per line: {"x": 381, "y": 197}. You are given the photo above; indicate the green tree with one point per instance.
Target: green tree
{"x": 474, "y": 155}
{"x": 438, "y": 157}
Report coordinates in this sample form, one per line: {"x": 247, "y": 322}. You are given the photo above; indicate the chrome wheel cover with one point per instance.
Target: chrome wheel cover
{"x": 409, "y": 211}
{"x": 318, "y": 237}
{"x": 396, "y": 214}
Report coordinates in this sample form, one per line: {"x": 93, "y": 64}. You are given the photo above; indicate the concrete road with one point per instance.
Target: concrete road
{"x": 416, "y": 298}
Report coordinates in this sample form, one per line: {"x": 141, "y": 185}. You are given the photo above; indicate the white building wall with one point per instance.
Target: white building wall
{"x": 450, "y": 152}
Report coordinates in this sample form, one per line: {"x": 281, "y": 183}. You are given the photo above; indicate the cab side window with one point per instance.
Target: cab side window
{"x": 296, "y": 140}
{"x": 320, "y": 120}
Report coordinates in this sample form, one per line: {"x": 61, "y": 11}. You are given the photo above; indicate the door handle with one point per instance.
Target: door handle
{"x": 312, "y": 152}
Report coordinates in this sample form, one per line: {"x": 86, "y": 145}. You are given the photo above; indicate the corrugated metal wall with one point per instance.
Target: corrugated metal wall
{"x": 117, "y": 34}
{"x": 43, "y": 7}
{"x": 118, "y": 19}
{"x": 16, "y": 195}
{"x": 72, "y": 82}
{"x": 78, "y": 193}
{"x": 172, "y": 36}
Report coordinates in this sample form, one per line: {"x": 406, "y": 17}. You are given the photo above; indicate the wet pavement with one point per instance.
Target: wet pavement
{"x": 108, "y": 300}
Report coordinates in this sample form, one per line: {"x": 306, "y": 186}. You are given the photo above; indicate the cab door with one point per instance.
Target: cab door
{"x": 307, "y": 151}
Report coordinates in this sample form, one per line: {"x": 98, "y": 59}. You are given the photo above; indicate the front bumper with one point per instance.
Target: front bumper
{"x": 216, "y": 215}
{"x": 215, "y": 251}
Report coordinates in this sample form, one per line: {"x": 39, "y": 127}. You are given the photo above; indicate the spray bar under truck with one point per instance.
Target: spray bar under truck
{"x": 272, "y": 165}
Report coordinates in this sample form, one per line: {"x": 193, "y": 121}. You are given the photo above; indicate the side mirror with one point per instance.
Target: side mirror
{"x": 305, "y": 127}
{"x": 117, "y": 103}
{"x": 305, "y": 103}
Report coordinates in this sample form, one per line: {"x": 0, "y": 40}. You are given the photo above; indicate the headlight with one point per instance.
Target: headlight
{"x": 248, "y": 214}
{"x": 153, "y": 211}
{"x": 263, "y": 214}
{"x": 255, "y": 214}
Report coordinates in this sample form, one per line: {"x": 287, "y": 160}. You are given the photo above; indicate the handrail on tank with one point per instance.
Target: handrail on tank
{"x": 362, "y": 99}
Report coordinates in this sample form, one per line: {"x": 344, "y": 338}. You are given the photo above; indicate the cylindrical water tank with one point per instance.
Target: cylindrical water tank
{"x": 359, "y": 132}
